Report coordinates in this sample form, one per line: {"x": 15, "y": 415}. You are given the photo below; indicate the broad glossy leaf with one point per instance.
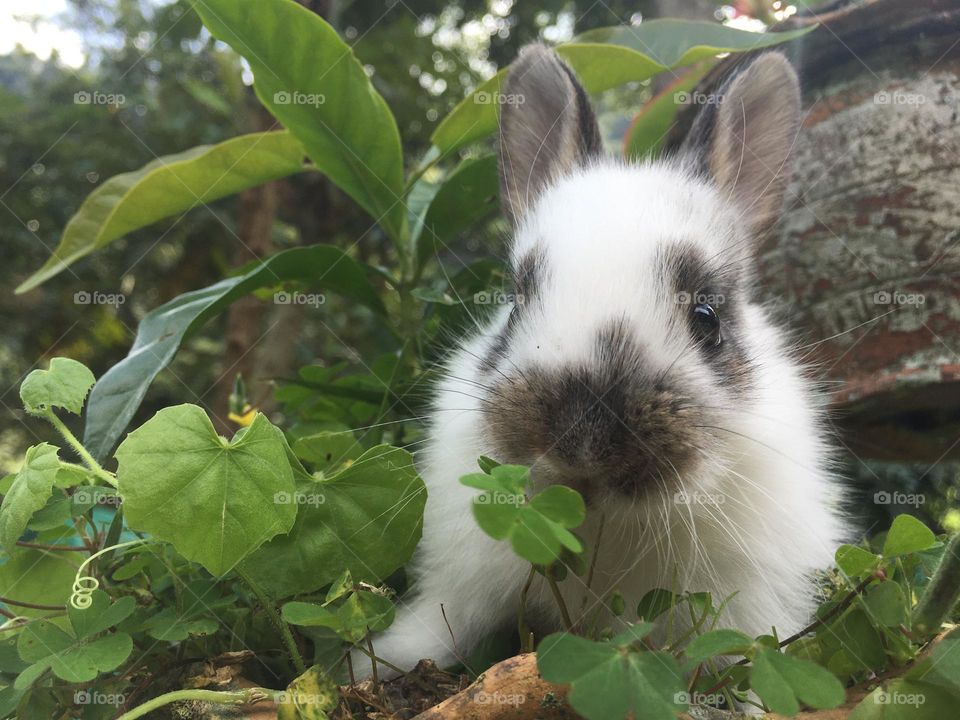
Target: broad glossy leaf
{"x": 606, "y": 58}
{"x": 117, "y": 395}
{"x": 907, "y": 535}
{"x": 65, "y": 385}
{"x": 650, "y": 126}
{"x": 783, "y": 682}
{"x": 29, "y": 493}
{"x": 440, "y": 212}
{"x": 312, "y": 83}
{"x": 367, "y": 519}
{"x": 609, "y": 682}
{"x": 168, "y": 186}
{"x": 215, "y": 501}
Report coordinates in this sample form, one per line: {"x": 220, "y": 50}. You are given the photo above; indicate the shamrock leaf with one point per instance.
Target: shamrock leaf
{"x": 538, "y": 529}
{"x": 634, "y": 682}
{"x": 215, "y": 501}
{"x": 82, "y": 655}
{"x": 783, "y": 682}
{"x": 64, "y": 385}
{"x": 854, "y": 561}
{"x": 907, "y": 535}
{"x": 718, "y": 642}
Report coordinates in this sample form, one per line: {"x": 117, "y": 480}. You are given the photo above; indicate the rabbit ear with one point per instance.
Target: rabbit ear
{"x": 754, "y": 129}
{"x": 547, "y": 127}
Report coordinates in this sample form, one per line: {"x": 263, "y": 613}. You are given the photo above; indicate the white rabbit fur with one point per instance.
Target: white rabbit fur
{"x": 754, "y": 509}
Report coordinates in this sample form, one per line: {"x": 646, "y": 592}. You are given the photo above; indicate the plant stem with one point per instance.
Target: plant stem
{"x": 832, "y": 613}
{"x": 565, "y": 616}
{"x": 373, "y": 662}
{"x": 51, "y": 548}
{"x": 593, "y": 567}
{"x": 32, "y": 606}
{"x": 277, "y": 621}
{"x": 942, "y": 593}
{"x": 522, "y": 628}
{"x": 234, "y": 697}
{"x": 78, "y": 447}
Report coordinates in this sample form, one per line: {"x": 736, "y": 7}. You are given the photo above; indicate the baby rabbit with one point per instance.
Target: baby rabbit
{"x": 636, "y": 367}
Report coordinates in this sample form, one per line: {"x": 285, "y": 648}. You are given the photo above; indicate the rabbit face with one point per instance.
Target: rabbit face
{"x": 632, "y": 337}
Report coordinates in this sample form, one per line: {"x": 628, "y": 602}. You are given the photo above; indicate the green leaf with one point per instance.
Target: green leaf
{"x": 215, "y": 501}
{"x": 650, "y": 126}
{"x": 886, "y": 604}
{"x": 718, "y": 642}
{"x": 606, "y": 58}
{"x": 168, "y": 626}
{"x": 537, "y": 530}
{"x": 854, "y": 561}
{"x": 608, "y": 682}
{"x": 31, "y": 489}
{"x": 782, "y": 682}
{"x": 309, "y": 697}
{"x": 656, "y": 602}
{"x": 439, "y": 212}
{"x": 81, "y": 656}
{"x": 168, "y": 186}
{"x": 65, "y": 385}
{"x": 362, "y": 612}
{"x": 905, "y": 699}
{"x": 42, "y": 578}
{"x": 366, "y": 518}
{"x": 907, "y": 535}
{"x": 328, "y": 449}
{"x": 116, "y": 397}
{"x": 314, "y": 85}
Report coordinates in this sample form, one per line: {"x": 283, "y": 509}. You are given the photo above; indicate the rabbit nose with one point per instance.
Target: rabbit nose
{"x": 589, "y": 427}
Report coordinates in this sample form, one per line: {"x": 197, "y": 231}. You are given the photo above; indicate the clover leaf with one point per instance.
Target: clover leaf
{"x": 783, "y": 682}
{"x": 907, "y": 535}
{"x": 83, "y": 654}
{"x": 538, "y": 529}
{"x": 635, "y": 682}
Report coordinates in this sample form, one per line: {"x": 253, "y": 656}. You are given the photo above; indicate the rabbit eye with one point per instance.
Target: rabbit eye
{"x": 706, "y": 325}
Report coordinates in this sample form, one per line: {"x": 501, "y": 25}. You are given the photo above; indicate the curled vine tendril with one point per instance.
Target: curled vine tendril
{"x": 84, "y": 585}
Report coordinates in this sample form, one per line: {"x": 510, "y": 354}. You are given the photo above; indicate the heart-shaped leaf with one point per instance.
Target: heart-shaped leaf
{"x": 783, "y": 682}
{"x": 366, "y": 518}
{"x": 65, "y": 385}
{"x": 610, "y": 681}
{"x": 854, "y": 561}
{"x": 31, "y": 488}
{"x": 537, "y": 530}
{"x": 214, "y": 500}
{"x": 718, "y": 642}
{"x": 907, "y": 535}
{"x": 168, "y": 186}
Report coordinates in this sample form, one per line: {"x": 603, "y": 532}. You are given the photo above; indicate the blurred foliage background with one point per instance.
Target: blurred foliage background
{"x": 179, "y": 89}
